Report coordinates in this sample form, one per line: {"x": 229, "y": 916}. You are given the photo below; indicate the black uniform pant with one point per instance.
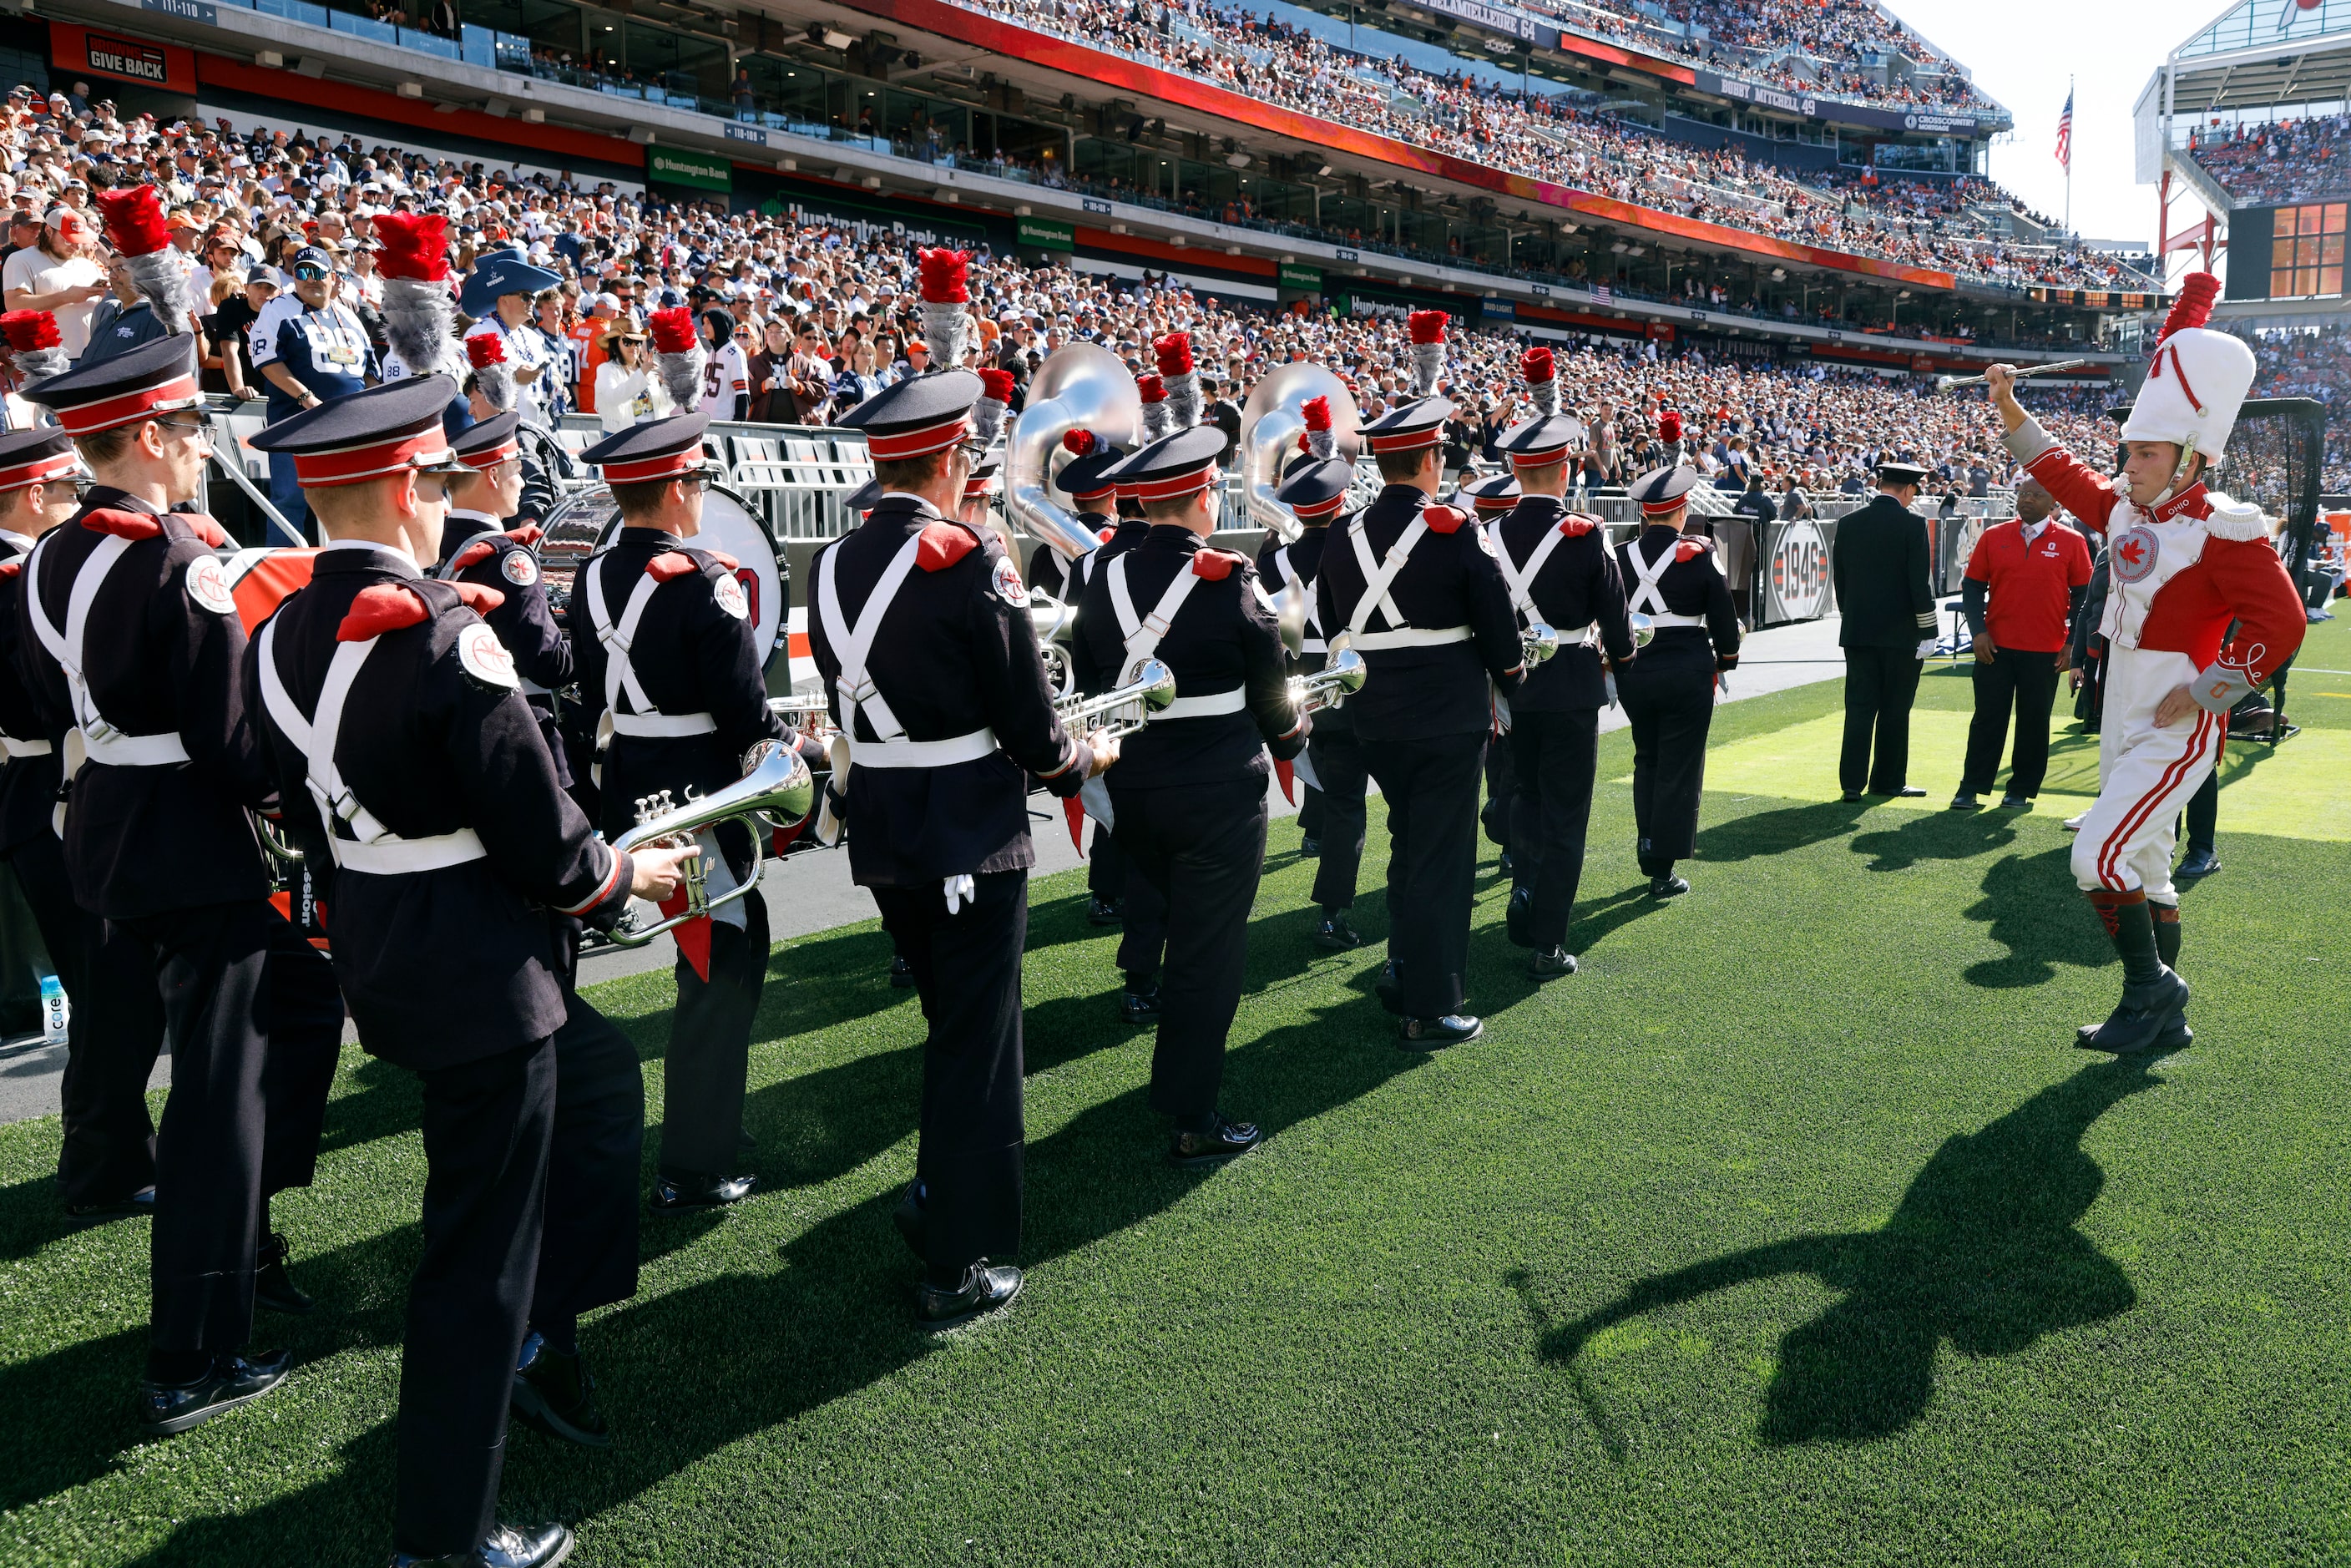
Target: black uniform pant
{"x": 1202, "y": 847}
{"x": 1501, "y": 790}
{"x": 966, "y": 969}
{"x": 1338, "y": 761}
{"x": 2027, "y": 683}
{"x": 1554, "y": 756}
{"x": 487, "y": 1126}
{"x": 1106, "y": 867}
{"x": 1430, "y": 784}
{"x": 2203, "y": 813}
{"x": 710, "y": 1054}
{"x": 1669, "y": 696}
{"x": 112, "y": 1035}
{"x": 1143, "y": 922}
{"x": 244, "y": 1113}
{"x": 588, "y": 1256}
{"x": 1880, "y": 684}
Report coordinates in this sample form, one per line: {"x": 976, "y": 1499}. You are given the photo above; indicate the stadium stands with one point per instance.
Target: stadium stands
{"x": 2295, "y": 161}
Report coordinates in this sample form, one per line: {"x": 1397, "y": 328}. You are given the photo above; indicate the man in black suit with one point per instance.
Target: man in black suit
{"x": 1879, "y": 565}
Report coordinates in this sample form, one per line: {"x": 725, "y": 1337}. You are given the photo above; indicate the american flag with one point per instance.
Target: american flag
{"x": 1599, "y": 293}
{"x": 2065, "y": 135}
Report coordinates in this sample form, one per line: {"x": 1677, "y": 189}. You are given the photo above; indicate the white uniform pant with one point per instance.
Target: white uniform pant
{"x": 2146, "y": 775}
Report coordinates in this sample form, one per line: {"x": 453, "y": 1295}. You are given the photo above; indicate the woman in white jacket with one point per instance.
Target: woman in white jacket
{"x": 628, "y": 391}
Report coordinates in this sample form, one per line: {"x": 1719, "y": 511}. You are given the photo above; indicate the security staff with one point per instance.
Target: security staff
{"x": 476, "y": 548}
{"x": 157, "y": 842}
{"x": 920, "y": 629}
{"x": 1559, "y": 573}
{"x": 669, "y": 672}
{"x": 418, "y": 781}
{"x": 1671, "y": 577}
{"x": 1331, "y": 821}
{"x": 1189, "y": 795}
{"x": 107, "y": 1162}
{"x": 1416, "y": 587}
{"x": 308, "y": 346}
{"x": 1879, "y": 568}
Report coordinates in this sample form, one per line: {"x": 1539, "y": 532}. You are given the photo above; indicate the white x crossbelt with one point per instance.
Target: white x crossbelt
{"x": 99, "y": 740}
{"x": 1143, "y": 634}
{"x": 1377, "y": 579}
{"x": 853, "y": 645}
{"x": 648, "y": 722}
{"x": 1647, "y": 597}
{"x": 374, "y": 849}
{"x": 1521, "y": 584}
{"x": 1313, "y": 642}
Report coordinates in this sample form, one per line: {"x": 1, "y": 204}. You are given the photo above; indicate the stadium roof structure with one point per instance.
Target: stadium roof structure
{"x": 2259, "y": 54}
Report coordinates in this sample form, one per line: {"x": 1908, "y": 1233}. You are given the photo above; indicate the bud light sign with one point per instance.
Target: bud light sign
{"x": 1800, "y": 573}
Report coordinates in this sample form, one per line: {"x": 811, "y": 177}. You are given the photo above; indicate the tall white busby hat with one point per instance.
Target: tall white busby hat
{"x": 2196, "y": 380}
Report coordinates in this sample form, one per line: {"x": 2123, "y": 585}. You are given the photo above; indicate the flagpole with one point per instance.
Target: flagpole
{"x": 2069, "y": 163}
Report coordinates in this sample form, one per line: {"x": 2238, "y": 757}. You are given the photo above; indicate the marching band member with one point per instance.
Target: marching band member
{"x": 107, "y": 1162}
{"x": 1487, "y": 500}
{"x": 2185, "y": 562}
{"x": 476, "y": 548}
{"x": 673, "y": 684}
{"x": 1668, "y": 692}
{"x": 1331, "y": 822}
{"x": 920, "y": 629}
{"x": 1189, "y": 795}
{"x": 1417, "y": 590}
{"x": 157, "y": 844}
{"x": 1096, "y": 500}
{"x": 413, "y": 772}
{"x": 1560, "y": 572}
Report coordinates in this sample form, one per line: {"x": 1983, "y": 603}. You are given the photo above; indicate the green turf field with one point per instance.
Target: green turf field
{"x": 1790, "y": 1230}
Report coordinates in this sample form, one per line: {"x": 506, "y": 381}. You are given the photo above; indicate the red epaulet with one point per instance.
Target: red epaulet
{"x": 1107, "y": 535}
{"x": 386, "y": 607}
{"x": 479, "y": 597}
{"x": 671, "y": 563}
{"x": 944, "y": 544}
{"x": 1575, "y": 525}
{"x": 527, "y": 535}
{"x": 1691, "y": 549}
{"x": 1443, "y": 519}
{"x": 122, "y": 525}
{"x": 728, "y": 561}
{"x": 1216, "y": 565}
{"x": 11, "y": 568}
{"x": 480, "y": 549}
{"x": 210, "y": 532}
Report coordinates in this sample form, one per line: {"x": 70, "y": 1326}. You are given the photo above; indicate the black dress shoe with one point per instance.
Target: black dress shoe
{"x": 986, "y": 1289}
{"x": 2016, "y": 802}
{"x": 908, "y": 1218}
{"x": 1139, "y": 1008}
{"x": 1310, "y": 849}
{"x": 1965, "y": 801}
{"x": 556, "y": 1393}
{"x": 1436, "y": 1034}
{"x": 1907, "y": 792}
{"x": 1198, "y": 1151}
{"x": 2199, "y": 862}
{"x": 2157, "y": 1021}
{"x": 672, "y": 1194}
{"x": 1551, "y": 964}
{"x": 140, "y": 1202}
{"x": 1518, "y": 915}
{"x": 506, "y": 1548}
{"x": 1505, "y": 865}
{"x": 274, "y": 1290}
{"x": 902, "y": 973}
{"x": 1102, "y": 912}
{"x": 1389, "y": 988}
{"x": 1335, "y": 934}
{"x": 171, "y": 1408}
{"x": 1851, "y": 796}
{"x": 1667, "y": 887}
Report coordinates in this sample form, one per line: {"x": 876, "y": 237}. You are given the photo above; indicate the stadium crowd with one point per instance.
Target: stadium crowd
{"x": 2293, "y": 161}
{"x": 807, "y": 318}
{"x": 1546, "y": 136}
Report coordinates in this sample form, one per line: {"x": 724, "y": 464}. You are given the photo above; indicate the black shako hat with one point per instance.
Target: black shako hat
{"x": 367, "y": 434}
{"x": 918, "y": 416}
{"x": 1170, "y": 469}
{"x": 1493, "y": 496}
{"x": 1316, "y": 487}
{"x": 1408, "y": 426}
{"x": 656, "y": 450}
{"x": 156, "y": 377}
{"x": 34, "y": 456}
{"x": 1664, "y": 491}
{"x": 489, "y": 442}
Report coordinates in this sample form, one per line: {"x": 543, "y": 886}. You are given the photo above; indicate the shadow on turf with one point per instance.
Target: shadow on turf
{"x": 1945, "y": 835}
{"x": 1982, "y": 1251}
{"x": 2033, "y": 907}
{"x": 1763, "y": 833}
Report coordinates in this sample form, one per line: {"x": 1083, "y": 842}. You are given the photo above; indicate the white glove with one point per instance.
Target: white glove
{"x": 1926, "y": 648}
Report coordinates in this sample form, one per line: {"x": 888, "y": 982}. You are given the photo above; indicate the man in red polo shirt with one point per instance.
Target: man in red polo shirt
{"x": 2034, "y": 572}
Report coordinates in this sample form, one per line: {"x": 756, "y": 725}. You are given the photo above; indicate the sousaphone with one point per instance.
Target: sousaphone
{"x": 1272, "y": 423}
{"x": 1080, "y": 387}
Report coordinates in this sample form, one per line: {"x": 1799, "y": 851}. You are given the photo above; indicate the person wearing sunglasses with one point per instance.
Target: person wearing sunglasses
{"x": 308, "y": 346}
{"x": 627, "y": 391}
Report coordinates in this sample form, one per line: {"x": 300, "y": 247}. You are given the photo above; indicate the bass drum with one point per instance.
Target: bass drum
{"x": 583, "y": 526}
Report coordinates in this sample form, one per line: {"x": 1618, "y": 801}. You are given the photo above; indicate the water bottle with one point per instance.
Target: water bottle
{"x": 55, "y": 1009}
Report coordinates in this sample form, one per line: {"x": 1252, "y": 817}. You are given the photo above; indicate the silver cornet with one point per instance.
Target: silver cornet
{"x": 1945, "y": 384}
{"x": 777, "y": 786}
{"x": 1537, "y": 643}
{"x": 1121, "y": 710}
{"x": 1331, "y": 686}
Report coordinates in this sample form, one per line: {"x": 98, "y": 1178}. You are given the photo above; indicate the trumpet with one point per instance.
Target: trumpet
{"x": 776, "y": 785}
{"x": 1537, "y": 643}
{"x": 1331, "y": 686}
{"x": 1121, "y": 710}
{"x": 1946, "y": 383}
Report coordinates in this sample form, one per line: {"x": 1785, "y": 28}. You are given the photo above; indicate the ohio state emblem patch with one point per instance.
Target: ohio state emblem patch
{"x": 485, "y": 658}
{"x": 1008, "y": 586}
{"x": 729, "y": 594}
{"x": 208, "y": 585}
{"x": 519, "y": 568}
